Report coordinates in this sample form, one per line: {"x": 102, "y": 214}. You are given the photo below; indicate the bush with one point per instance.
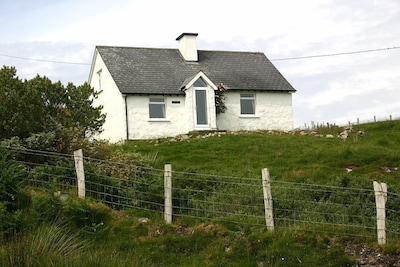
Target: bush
{"x": 45, "y": 208}
{"x": 91, "y": 217}
{"x": 10, "y": 175}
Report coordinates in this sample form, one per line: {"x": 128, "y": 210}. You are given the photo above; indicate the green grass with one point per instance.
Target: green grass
{"x": 289, "y": 157}
{"x": 187, "y": 242}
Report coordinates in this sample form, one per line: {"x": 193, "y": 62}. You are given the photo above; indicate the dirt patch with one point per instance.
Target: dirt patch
{"x": 372, "y": 256}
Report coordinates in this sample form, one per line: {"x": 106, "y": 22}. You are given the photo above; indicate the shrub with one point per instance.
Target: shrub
{"x": 45, "y": 208}
{"x": 89, "y": 216}
{"x": 10, "y": 175}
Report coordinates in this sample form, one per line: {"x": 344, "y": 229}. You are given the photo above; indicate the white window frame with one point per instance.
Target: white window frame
{"x": 248, "y": 97}
{"x": 155, "y": 103}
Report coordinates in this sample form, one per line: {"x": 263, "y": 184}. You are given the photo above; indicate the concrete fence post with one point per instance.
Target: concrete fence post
{"x": 269, "y": 217}
{"x": 380, "y": 199}
{"x": 168, "y": 193}
{"x": 80, "y": 173}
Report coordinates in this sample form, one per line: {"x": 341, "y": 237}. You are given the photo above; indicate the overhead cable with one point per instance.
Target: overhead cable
{"x": 45, "y": 60}
{"x": 336, "y": 54}
{"x": 275, "y": 59}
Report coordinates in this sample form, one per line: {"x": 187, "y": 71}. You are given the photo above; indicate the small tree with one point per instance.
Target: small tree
{"x": 38, "y": 105}
{"x": 15, "y": 101}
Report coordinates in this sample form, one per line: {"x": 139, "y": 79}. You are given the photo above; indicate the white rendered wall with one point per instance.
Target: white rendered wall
{"x": 273, "y": 111}
{"x": 114, "y": 128}
{"x": 180, "y": 117}
{"x": 142, "y": 127}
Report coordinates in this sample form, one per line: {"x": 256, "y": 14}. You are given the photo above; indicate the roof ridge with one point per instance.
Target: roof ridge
{"x": 134, "y": 47}
{"x": 168, "y": 48}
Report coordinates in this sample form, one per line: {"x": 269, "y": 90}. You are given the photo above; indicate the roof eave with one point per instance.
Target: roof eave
{"x": 96, "y": 52}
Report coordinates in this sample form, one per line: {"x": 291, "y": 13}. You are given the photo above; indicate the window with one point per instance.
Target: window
{"x": 247, "y": 106}
{"x": 157, "y": 107}
{"x": 200, "y": 83}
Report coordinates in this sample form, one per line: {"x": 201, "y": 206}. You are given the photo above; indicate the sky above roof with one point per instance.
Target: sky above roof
{"x": 342, "y": 57}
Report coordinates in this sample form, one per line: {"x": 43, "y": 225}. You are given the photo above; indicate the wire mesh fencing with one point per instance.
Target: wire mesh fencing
{"x": 324, "y": 208}
{"x": 224, "y": 198}
{"x": 124, "y": 186}
{"x": 54, "y": 171}
{"x": 339, "y": 210}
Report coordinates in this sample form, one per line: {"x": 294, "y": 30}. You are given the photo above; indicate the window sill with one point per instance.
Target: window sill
{"x": 158, "y": 120}
{"x": 252, "y": 116}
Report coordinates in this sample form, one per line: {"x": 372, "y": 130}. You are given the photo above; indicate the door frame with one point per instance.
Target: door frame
{"x": 207, "y": 124}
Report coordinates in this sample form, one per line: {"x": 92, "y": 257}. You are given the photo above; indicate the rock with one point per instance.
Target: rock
{"x": 143, "y": 220}
{"x": 185, "y": 137}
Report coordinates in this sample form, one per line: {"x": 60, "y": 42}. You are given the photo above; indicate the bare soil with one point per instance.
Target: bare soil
{"x": 372, "y": 256}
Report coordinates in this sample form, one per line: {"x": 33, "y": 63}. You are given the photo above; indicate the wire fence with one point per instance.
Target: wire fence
{"x": 339, "y": 210}
{"x": 328, "y": 208}
{"x": 315, "y": 125}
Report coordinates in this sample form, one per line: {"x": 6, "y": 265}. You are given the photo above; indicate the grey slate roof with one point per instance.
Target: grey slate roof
{"x": 163, "y": 71}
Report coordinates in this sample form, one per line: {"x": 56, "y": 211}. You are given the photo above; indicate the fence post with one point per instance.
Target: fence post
{"x": 380, "y": 199}
{"x": 168, "y": 193}
{"x": 80, "y": 173}
{"x": 269, "y": 218}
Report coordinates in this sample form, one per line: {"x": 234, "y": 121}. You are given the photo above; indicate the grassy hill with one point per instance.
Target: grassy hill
{"x": 124, "y": 239}
{"x": 289, "y": 156}
{"x": 370, "y": 152}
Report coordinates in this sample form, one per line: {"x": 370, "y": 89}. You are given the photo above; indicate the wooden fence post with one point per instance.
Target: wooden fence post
{"x": 380, "y": 199}
{"x": 269, "y": 218}
{"x": 80, "y": 173}
{"x": 168, "y": 193}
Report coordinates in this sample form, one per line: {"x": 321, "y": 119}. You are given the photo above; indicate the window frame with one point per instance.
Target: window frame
{"x": 247, "y": 97}
{"x": 153, "y": 103}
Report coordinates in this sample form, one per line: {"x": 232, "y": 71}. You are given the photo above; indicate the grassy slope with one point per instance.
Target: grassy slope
{"x": 296, "y": 158}
{"x": 126, "y": 242}
{"x": 289, "y": 157}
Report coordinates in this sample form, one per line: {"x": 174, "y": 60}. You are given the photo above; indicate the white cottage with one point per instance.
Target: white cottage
{"x": 153, "y": 93}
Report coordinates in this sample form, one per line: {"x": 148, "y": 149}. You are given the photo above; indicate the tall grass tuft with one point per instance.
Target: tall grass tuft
{"x": 48, "y": 245}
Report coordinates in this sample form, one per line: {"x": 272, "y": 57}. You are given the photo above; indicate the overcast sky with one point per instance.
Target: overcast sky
{"x": 334, "y": 89}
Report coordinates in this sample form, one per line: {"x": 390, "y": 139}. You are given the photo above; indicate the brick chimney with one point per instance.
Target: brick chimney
{"x": 187, "y": 46}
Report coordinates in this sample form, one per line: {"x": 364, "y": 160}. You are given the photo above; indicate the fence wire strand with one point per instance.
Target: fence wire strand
{"x": 307, "y": 207}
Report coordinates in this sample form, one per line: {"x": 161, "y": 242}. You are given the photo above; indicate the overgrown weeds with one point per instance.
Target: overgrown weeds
{"x": 48, "y": 245}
